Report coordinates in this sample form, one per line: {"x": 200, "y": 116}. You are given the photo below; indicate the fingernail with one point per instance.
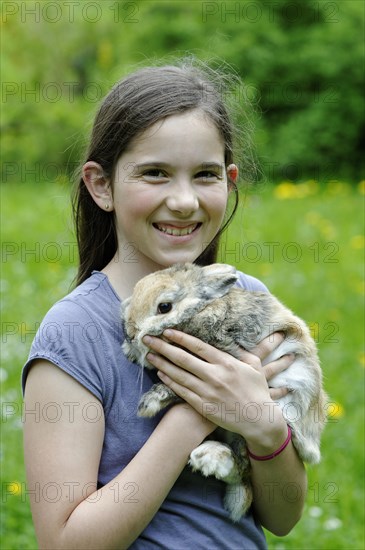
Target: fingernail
{"x": 147, "y": 340}
{"x": 162, "y": 376}
{"x": 168, "y": 333}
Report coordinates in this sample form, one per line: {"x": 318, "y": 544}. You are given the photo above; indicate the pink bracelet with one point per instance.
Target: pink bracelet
{"x": 275, "y": 453}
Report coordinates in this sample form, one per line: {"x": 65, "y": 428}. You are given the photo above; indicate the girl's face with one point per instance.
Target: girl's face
{"x": 170, "y": 191}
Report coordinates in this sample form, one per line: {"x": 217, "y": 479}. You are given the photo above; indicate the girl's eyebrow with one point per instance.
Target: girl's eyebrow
{"x": 153, "y": 163}
{"x": 219, "y": 166}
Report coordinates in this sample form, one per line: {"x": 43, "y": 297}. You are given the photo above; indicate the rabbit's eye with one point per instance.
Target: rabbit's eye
{"x": 164, "y": 307}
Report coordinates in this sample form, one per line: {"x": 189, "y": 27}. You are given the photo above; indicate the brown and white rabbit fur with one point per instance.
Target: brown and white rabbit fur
{"x": 203, "y": 302}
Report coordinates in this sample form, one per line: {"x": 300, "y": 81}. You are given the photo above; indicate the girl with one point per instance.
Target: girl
{"x": 154, "y": 192}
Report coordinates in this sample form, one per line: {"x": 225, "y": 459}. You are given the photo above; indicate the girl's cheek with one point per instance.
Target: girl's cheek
{"x": 135, "y": 203}
{"x": 217, "y": 198}
{"x": 218, "y": 205}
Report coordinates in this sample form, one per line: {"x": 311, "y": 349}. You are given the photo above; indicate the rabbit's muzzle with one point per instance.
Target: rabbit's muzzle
{"x": 136, "y": 351}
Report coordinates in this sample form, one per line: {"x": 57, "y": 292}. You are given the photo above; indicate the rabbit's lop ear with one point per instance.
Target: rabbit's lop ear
{"x": 218, "y": 280}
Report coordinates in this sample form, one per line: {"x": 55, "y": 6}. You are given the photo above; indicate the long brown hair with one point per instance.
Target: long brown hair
{"x": 133, "y": 105}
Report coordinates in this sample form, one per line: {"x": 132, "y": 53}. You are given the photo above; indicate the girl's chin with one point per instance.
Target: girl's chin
{"x": 168, "y": 260}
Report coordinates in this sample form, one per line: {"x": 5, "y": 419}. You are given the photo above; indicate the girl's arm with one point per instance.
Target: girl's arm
{"x": 62, "y": 454}
{"x": 280, "y": 487}
{"x": 217, "y": 385}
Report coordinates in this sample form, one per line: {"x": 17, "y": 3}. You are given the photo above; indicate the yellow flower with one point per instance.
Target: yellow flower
{"x": 334, "y": 314}
{"x": 337, "y": 188}
{"x": 313, "y": 217}
{"x": 105, "y": 53}
{"x": 335, "y": 410}
{"x": 265, "y": 269}
{"x": 357, "y": 242}
{"x": 289, "y": 190}
{"x": 14, "y": 488}
{"x": 327, "y": 229}
{"x": 306, "y": 189}
{"x": 313, "y": 327}
{"x": 361, "y": 187}
{"x": 285, "y": 190}
{"x": 359, "y": 287}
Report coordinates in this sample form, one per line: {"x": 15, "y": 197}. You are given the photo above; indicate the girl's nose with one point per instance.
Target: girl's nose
{"x": 182, "y": 198}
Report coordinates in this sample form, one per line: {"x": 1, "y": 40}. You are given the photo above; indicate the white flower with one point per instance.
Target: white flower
{"x": 332, "y": 523}
{"x": 315, "y": 512}
{"x": 3, "y": 375}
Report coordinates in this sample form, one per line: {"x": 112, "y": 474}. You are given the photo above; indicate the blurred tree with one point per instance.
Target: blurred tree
{"x": 302, "y": 63}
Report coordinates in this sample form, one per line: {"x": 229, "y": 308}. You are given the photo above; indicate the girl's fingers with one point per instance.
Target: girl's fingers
{"x": 190, "y": 360}
{"x": 281, "y": 364}
{"x": 175, "y": 374}
{"x": 186, "y": 368}
{"x": 262, "y": 350}
{"x": 268, "y": 344}
{"x": 196, "y": 350}
{"x": 278, "y": 393}
{"x": 193, "y": 345}
{"x": 182, "y": 391}
{"x": 185, "y": 384}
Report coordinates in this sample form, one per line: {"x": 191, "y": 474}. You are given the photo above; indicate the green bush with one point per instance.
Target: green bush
{"x": 301, "y": 61}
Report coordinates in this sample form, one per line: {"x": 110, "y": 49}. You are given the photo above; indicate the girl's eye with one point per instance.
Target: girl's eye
{"x": 154, "y": 174}
{"x": 207, "y": 175}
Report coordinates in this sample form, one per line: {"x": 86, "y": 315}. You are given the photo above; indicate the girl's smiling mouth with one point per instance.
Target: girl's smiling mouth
{"x": 175, "y": 230}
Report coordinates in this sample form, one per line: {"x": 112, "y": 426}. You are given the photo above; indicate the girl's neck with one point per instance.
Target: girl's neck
{"x": 123, "y": 275}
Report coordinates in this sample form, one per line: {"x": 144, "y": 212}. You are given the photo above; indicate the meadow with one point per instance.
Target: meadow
{"x": 305, "y": 242}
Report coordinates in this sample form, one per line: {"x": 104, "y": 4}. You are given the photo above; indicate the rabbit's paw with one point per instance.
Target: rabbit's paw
{"x": 215, "y": 458}
{"x": 156, "y": 399}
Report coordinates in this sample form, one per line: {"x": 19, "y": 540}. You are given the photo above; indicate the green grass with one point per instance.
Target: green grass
{"x": 307, "y": 246}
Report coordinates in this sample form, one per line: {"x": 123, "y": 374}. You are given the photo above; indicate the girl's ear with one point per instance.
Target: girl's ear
{"x": 232, "y": 174}
{"x": 98, "y": 185}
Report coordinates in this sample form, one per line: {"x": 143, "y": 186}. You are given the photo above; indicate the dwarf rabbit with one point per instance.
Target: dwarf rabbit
{"x": 201, "y": 301}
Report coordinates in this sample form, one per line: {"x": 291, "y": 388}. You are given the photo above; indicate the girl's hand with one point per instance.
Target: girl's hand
{"x": 232, "y": 393}
{"x": 262, "y": 350}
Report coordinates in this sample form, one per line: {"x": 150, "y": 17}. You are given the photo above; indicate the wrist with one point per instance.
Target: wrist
{"x": 186, "y": 421}
{"x": 273, "y": 454}
{"x": 267, "y": 441}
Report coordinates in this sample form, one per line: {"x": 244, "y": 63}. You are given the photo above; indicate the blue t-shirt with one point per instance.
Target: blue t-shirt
{"x": 82, "y": 334}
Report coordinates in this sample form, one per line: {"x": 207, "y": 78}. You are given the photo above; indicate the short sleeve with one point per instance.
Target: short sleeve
{"x": 250, "y": 283}
{"x": 71, "y": 339}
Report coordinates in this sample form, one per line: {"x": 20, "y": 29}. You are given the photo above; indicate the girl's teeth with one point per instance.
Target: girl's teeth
{"x": 177, "y": 232}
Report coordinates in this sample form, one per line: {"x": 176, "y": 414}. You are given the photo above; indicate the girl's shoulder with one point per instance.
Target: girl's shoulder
{"x": 81, "y": 334}
{"x": 96, "y": 287}
{"x": 91, "y": 299}
{"x": 248, "y": 282}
